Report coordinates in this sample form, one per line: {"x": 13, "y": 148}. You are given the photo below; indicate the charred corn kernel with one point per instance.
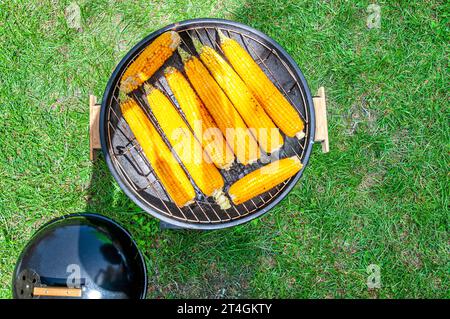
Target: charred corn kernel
{"x": 264, "y": 179}
{"x": 262, "y": 127}
{"x": 164, "y": 164}
{"x": 222, "y": 110}
{"x": 205, "y": 175}
{"x": 272, "y": 100}
{"x": 149, "y": 61}
{"x": 200, "y": 121}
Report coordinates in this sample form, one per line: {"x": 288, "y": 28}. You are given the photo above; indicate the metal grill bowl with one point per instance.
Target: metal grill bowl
{"x": 133, "y": 172}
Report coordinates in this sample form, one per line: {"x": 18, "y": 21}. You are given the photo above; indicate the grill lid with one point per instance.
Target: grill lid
{"x": 83, "y": 256}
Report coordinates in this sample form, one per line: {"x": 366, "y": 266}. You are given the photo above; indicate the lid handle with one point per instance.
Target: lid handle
{"x": 57, "y": 291}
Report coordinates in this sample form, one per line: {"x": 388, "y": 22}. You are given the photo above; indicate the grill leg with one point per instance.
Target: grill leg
{"x": 164, "y": 225}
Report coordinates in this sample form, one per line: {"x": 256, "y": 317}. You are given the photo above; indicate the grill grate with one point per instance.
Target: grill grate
{"x": 136, "y": 172}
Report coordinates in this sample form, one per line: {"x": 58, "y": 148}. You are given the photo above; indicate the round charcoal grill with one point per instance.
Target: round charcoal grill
{"x": 133, "y": 172}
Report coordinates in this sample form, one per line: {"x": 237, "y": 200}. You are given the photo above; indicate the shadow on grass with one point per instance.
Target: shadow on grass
{"x": 104, "y": 195}
{"x": 181, "y": 263}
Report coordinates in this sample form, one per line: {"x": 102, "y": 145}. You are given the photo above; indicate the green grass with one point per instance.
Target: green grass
{"x": 379, "y": 197}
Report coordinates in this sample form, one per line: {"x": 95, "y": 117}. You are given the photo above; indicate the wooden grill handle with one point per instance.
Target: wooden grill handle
{"x": 320, "y": 107}
{"x": 94, "y": 126}
{"x": 57, "y": 291}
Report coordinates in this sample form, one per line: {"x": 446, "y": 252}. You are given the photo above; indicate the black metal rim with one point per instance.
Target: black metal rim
{"x": 108, "y": 220}
{"x": 108, "y": 96}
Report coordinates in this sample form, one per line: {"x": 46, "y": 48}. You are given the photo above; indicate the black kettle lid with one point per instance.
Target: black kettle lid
{"x": 86, "y": 256}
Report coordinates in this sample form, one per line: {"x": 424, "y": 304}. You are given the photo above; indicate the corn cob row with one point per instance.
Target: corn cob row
{"x": 262, "y": 127}
{"x": 164, "y": 164}
{"x": 221, "y": 109}
{"x": 201, "y": 123}
{"x": 205, "y": 174}
{"x": 272, "y": 100}
{"x": 263, "y": 179}
{"x": 149, "y": 61}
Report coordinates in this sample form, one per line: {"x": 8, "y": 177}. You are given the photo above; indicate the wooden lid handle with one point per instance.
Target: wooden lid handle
{"x": 57, "y": 291}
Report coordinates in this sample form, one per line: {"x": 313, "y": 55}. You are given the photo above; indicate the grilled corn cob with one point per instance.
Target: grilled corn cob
{"x": 200, "y": 121}
{"x": 262, "y": 127}
{"x": 164, "y": 164}
{"x": 222, "y": 110}
{"x": 205, "y": 175}
{"x": 149, "y": 61}
{"x": 272, "y": 100}
{"x": 263, "y": 179}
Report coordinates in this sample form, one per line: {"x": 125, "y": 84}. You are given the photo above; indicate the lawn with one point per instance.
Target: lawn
{"x": 379, "y": 197}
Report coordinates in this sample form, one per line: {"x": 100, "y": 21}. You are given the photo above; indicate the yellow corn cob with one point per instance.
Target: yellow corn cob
{"x": 222, "y": 110}
{"x": 205, "y": 174}
{"x": 264, "y": 179}
{"x": 272, "y": 100}
{"x": 200, "y": 121}
{"x": 149, "y": 61}
{"x": 164, "y": 164}
{"x": 262, "y": 127}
